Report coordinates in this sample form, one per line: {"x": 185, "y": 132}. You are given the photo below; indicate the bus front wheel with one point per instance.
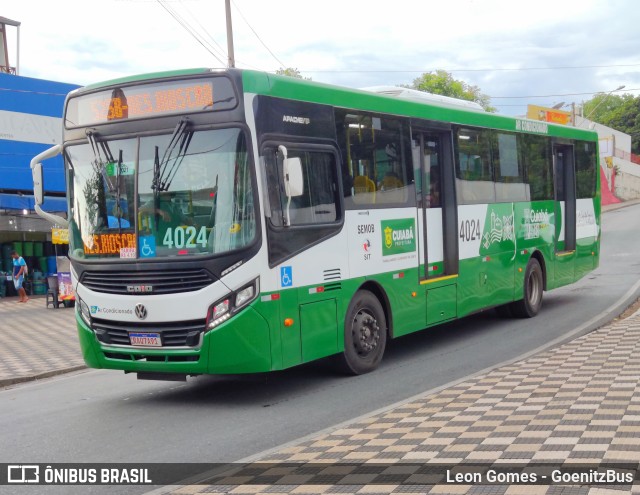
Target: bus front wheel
{"x": 530, "y": 304}
{"x": 365, "y": 334}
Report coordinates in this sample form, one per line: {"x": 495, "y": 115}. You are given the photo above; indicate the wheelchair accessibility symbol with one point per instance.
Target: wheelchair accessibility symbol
{"x": 286, "y": 276}
{"x": 147, "y": 246}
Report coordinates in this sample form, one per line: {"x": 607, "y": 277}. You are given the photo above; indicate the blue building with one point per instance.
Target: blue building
{"x": 30, "y": 122}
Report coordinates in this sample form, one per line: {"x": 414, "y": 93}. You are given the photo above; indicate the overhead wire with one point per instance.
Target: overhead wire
{"x": 258, "y": 37}
{"x": 564, "y": 94}
{"x": 495, "y": 69}
{"x": 188, "y": 28}
{"x": 204, "y": 40}
{"x": 204, "y": 29}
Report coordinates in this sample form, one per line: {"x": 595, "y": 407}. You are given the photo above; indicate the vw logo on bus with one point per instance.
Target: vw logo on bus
{"x": 141, "y": 311}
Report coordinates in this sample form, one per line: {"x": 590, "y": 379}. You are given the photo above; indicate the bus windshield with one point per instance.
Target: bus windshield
{"x": 181, "y": 194}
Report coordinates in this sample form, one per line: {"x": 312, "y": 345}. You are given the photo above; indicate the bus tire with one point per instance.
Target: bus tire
{"x": 529, "y": 306}
{"x": 365, "y": 334}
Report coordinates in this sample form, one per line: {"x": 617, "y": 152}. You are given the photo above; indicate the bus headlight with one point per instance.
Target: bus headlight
{"x": 245, "y": 295}
{"x": 225, "y": 308}
{"x": 83, "y": 310}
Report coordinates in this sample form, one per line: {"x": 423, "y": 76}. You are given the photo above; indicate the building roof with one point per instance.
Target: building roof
{"x": 4, "y": 20}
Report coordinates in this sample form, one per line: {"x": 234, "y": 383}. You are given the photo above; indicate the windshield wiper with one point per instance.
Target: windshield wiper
{"x": 98, "y": 162}
{"x": 165, "y": 170}
{"x": 118, "y": 209}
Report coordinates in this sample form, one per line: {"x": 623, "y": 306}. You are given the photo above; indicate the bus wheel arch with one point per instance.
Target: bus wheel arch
{"x": 377, "y": 290}
{"x": 533, "y": 288}
{"x": 538, "y": 256}
{"x": 365, "y": 332}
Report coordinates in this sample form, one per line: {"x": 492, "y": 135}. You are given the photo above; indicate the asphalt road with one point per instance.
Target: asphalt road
{"x": 106, "y": 416}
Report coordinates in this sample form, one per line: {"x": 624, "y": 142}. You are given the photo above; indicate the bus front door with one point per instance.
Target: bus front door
{"x": 565, "y": 213}
{"x": 436, "y": 193}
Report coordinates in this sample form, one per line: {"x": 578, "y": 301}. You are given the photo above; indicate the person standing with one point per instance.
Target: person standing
{"x": 19, "y": 272}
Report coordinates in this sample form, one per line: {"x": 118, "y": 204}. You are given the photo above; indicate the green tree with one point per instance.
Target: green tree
{"x": 621, "y": 113}
{"x": 602, "y": 104}
{"x": 291, "y": 72}
{"x": 442, "y": 83}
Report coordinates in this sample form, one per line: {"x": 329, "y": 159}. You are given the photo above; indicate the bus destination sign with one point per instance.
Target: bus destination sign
{"x": 149, "y": 100}
{"x": 123, "y": 245}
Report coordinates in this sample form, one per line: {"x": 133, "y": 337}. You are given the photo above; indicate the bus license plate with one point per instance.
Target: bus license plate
{"x": 145, "y": 339}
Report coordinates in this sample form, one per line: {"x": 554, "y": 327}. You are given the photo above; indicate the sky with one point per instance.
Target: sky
{"x": 543, "y": 52}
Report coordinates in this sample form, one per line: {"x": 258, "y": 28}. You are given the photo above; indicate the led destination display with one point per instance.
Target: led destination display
{"x": 150, "y": 100}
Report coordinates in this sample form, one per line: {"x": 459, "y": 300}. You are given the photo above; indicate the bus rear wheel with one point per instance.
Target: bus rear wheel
{"x": 529, "y": 306}
{"x": 365, "y": 334}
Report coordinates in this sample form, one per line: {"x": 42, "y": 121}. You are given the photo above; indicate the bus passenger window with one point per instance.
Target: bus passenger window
{"x": 376, "y": 157}
{"x": 474, "y": 175}
{"x": 318, "y": 203}
{"x": 510, "y": 184}
{"x": 585, "y": 169}
{"x": 537, "y": 165}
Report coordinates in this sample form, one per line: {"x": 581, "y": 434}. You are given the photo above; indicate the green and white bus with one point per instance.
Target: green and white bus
{"x": 235, "y": 221}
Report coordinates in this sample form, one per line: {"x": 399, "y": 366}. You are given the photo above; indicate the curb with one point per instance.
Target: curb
{"x": 6, "y": 382}
{"x": 605, "y": 318}
{"x": 622, "y": 204}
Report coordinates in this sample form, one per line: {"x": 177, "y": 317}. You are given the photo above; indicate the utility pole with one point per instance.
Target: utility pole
{"x": 231, "y": 56}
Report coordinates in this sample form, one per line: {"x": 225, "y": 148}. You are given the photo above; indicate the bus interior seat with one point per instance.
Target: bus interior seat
{"x": 364, "y": 189}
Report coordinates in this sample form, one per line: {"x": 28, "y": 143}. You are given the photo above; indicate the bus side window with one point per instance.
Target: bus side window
{"x": 275, "y": 187}
{"x": 586, "y": 169}
{"x": 474, "y": 175}
{"x": 319, "y": 201}
{"x": 376, "y": 159}
{"x": 510, "y": 184}
{"x": 536, "y": 154}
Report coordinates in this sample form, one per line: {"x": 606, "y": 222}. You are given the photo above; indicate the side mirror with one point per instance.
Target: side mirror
{"x": 293, "y": 180}
{"x": 38, "y": 185}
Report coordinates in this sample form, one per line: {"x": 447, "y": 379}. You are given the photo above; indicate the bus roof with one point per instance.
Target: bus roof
{"x": 389, "y": 100}
{"x": 422, "y": 108}
{"x": 414, "y": 94}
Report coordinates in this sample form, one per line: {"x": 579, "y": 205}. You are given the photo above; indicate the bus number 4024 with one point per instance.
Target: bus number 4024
{"x": 185, "y": 237}
{"x": 470, "y": 230}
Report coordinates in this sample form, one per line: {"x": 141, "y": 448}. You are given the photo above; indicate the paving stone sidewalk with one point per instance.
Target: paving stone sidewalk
{"x": 577, "y": 403}
{"x": 36, "y": 342}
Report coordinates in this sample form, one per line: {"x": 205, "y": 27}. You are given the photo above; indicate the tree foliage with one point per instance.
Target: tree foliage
{"x": 291, "y": 72}
{"x": 620, "y": 112}
{"x": 442, "y": 83}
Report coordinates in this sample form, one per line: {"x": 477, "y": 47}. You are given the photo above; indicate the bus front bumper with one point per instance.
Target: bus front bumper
{"x": 239, "y": 345}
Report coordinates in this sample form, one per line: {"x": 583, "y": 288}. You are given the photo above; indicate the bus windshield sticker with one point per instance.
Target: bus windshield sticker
{"x": 127, "y": 252}
{"x": 147, "y": 246}
{"x": 125, "y": 169}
